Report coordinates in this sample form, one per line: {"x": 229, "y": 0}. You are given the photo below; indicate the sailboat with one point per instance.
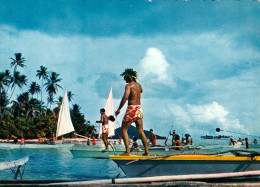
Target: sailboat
{"x": 64, "y": 125}
{"x": 91, "y": 152}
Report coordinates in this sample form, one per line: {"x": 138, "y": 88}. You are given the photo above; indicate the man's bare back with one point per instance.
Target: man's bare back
{"x": 135, "y": 93}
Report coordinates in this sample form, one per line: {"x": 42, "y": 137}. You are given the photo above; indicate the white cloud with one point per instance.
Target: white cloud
{"x": 203, "y": 119}
{"x": 208, "y": 112}
{"x": 154, "y": 63}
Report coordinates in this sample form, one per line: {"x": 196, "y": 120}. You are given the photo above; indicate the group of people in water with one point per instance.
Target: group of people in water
{"x": 242, "y": 142}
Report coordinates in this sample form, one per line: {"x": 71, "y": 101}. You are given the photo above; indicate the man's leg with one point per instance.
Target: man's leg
{"x": 124, "y": 129}
{"x": 106, "y": 141}
{"x": 104, "y": 138}
{"x": 139, "y": 127}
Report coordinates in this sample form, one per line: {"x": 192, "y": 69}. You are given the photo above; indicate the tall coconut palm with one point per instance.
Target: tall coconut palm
{"x": 52, "y": 84}
{"x": 3, "y": 101}
{"x": 34, "y": 88}
{"x": 42, "y": 73}
{"x": 50, "y": 100}
{"x": 17, "y": 61}
{"x": 17, "y": 80}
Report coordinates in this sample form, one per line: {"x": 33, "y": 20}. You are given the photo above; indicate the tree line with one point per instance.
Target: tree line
{"x": 28, "y": 116}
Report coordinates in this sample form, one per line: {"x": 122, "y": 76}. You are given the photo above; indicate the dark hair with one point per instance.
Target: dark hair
{"x": 102, "y": 110}
{"x": 134, "y": 138}
{"x": 129, "y": 75}
{"x": 177, "y": 137}
{"x": 151, "y": 130}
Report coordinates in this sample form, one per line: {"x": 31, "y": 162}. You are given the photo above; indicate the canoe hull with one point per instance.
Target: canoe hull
{"x": 166, "y": 167}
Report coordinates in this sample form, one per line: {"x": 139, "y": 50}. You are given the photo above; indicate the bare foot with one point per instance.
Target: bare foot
{"x": 105, "y": 150}
{"x": 125, "y": 154}
{"x": 146, "y": 154}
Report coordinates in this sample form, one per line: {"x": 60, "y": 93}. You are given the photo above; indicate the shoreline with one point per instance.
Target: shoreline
{"x": 36, "y": 141}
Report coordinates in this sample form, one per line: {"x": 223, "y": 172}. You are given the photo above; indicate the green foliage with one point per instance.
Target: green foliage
{"x": 27, "y": 116}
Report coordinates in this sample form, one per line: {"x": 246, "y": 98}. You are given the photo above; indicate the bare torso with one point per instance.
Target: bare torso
{"x": 104, "y": 119}
{"x": 135, "y": 93}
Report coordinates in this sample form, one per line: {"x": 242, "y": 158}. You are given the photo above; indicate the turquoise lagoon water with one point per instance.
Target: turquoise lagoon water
{"x": 48, "y": 162}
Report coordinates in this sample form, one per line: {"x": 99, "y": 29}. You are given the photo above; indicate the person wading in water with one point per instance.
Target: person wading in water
{"x": 134, "y": 111}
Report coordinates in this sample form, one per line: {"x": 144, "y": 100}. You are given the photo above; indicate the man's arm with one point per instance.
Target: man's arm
{"x": 124, "y": 98}
{"x": 101, "y": 120}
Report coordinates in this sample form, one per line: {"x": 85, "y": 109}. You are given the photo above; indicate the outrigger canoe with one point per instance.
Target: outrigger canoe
{"x": 186, "y": 164}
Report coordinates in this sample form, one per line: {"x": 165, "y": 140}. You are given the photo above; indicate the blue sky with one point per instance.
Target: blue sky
{"x": 198, "y": 61}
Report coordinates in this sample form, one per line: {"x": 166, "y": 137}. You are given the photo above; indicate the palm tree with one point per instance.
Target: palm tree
{"x": 50, "y": 100}
{"x": 17, "y": 80}
{"x": 34, "y": 88}
{"x": 5, "y": 80}
{"x": 52, "y": 84}
{"x": 70, "y": 96}
{"x": 59, "y": 102}
{"x": 3, "y": 101}
{"x": 42, "y": 73}
{"x": 34, "y": 107}
{"x": 17, "y": 61}
{"x": 76, "y": 109}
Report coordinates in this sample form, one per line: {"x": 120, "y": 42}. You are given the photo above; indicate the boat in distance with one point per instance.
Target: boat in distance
{"x": 185, "y": 164}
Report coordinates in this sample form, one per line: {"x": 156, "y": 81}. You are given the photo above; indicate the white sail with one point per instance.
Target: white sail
{"x": 110, "y": 111}
{"x": 64, "y": 125}
{"x": 109, "y": 107}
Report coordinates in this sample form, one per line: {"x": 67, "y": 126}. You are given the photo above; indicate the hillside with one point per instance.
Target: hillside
{"x": 133, "y": 132}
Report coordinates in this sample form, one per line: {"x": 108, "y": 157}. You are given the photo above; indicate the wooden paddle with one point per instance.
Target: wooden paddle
{"x": 168, "y": 136}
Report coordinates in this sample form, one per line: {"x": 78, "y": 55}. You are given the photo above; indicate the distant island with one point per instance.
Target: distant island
{"x": 215, "y": 137}
{"x": 133, "y": 132}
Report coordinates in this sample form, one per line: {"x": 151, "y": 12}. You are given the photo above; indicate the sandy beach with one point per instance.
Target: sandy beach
{"x": 67, "y": 140}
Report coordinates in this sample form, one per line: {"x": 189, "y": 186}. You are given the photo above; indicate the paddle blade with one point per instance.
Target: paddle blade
{"x": 218, "y": 129}
{"x": 111, "y": 118}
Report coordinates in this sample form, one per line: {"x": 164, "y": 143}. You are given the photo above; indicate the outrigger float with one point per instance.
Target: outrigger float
{"x": 158, "y": 150}
{"x": 15, "y": 166}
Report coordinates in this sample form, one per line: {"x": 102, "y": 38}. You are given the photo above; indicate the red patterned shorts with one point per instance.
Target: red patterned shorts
{"x": 133, "y": 113}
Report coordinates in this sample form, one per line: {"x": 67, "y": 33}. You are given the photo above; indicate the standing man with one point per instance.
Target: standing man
{"x": 173, "y": 134}
{"x": 134, "y": 111}
{"x": 104, "y": 121}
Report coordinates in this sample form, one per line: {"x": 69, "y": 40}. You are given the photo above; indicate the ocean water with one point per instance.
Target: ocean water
{"x": 48, "y": 162}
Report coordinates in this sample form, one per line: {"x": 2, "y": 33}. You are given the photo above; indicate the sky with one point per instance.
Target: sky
{"x": 198, "y": 61}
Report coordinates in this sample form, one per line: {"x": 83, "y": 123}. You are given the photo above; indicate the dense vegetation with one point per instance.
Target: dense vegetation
{"x": 28, "y": 116}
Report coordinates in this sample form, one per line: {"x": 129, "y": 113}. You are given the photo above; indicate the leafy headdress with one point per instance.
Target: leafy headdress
{"x": 129, "y": 75}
